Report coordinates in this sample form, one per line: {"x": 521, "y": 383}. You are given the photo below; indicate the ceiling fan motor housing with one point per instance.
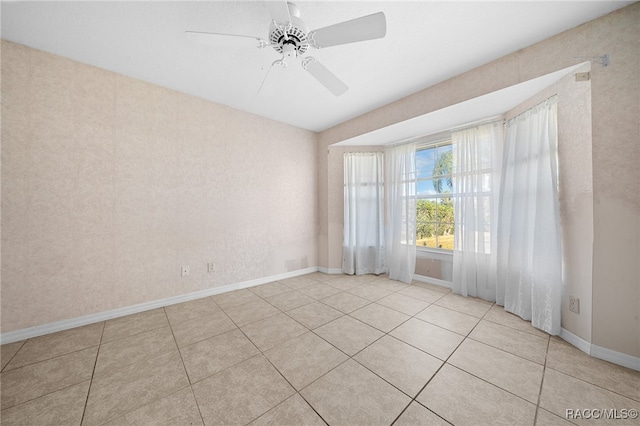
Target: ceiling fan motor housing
{"x": 295, "y": 42}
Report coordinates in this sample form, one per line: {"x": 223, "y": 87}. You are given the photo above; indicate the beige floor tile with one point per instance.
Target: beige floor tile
{"x": 345, "y": 302}
{"x": 208, "y": 357}
{"x": 352, "y": 395}
{"x": 293, "y": 411}
{"x": 241, "y": 393}
{"x": 55, "y": 344}
{"x": 434, "y": 287}
{"x": 322, "y": 277}
{"x": 546, "y": 418}
{"x": 561, "y": 392}
{"x": 451, "y": 320}
{"x": 63, "y": 407}
{"x": 366, "y": 278}
{"x": 368, "y": 292}
{"x": 8, "y": 351}
{"x": 343, "y": 283}
{"x": 348, "y": 334}
{"x": 402, "y": 303}
{"x": 463, "y": 399}
{"x": 132, "y": 386}
{"x": 421, "y": 293}
{"x": 509, "y": 372}
{"x": 378, "y": 316}
{"x": 190, "y": 310}
{"x": 250, "y": 312}
{"x": 34, "y": 380}
{"x": 305, "y": 358}
{"x": 319, "y": 291}
{"x": 134, "y": 324}
{"x": 389, "y": 285}
{"x": 416, "y": 415}
{"x": 402, "y": 365}
{"x": 467, "y": 305}
{"x": 526, "y": 345}
{"x": 234, "y": 298}
{"x": 315, "y": 314}
{"x": 134, "y": 349}
{"x": 179, "y": 408}
{"x": 273, "y": 331}
{"x": 572, "y": 361}
{"x": 201, "y": 328}
{"x": 299, "y": 282}
{"x": 289, "y": 300}
{"x": 498, "y": 315}
{"x": 269, "y": 289}
{"x": 428, "y": 337}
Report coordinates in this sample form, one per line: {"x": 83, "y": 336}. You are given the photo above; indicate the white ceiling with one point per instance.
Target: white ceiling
{"x": 426, "y": 42}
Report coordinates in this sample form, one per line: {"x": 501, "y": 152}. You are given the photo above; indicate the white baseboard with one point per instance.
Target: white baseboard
{"x": 332, "y": 271}
{"x": 596, "y": 351}
{"x": 619, "y": 358}
{"x": 434, "y": 281}
{"x": 39, "y": 330}
{"x": 272, "y": 278}
{"x": 575, "y": 340}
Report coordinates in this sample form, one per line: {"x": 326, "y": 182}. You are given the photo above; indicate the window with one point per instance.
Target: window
{"x": 434, "y": 215}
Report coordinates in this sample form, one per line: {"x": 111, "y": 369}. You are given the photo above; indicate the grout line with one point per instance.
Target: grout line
{"x": 544, "y": 370}
{"x": 52, "y": 357}
{"x": 593, "y": 384}
{"x": 93, "y": 373}
{"x": 261, "y": 353}
{"x": 163, "y": 396}
{"x": 445, "y": 362}
{"x": 13, "y": 356}
{"x": 348, "y": 357}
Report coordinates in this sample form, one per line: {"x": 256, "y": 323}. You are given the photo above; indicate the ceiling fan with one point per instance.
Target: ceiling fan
{"x": 289, "y": 36}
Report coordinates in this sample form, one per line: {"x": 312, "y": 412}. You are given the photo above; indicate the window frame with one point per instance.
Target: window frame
{"x": 434, "y": 141}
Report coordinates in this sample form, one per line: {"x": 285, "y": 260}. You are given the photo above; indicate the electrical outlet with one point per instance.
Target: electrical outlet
{"x": 574, "y": 304}
{"x": 185, "y": 271}
{"x": 211, "y": 267}
{"x": 582, "y": 76}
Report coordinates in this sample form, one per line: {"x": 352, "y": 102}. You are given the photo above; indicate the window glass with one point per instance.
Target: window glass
{"x": 434, "y": 215}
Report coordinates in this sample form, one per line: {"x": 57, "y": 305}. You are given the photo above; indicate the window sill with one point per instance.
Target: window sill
{"x": 434, "y": 253}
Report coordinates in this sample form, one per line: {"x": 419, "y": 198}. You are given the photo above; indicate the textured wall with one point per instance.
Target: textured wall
{"x": 110, "y": 184}
{"x": 615, "y": 147}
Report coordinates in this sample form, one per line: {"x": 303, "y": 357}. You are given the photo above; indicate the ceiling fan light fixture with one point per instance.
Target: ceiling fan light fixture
{"x": 290, "y": 37}
{"x": 294, "y": 31}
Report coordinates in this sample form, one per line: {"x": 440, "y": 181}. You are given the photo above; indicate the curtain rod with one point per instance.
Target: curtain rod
{"x": 552, "y": 97}
{"x": 432, "y": 137}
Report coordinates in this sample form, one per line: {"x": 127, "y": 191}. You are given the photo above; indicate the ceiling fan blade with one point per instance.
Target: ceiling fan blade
{"x": 324, "y": 76}
{"x": 279, "y": 11}
{"x": 360, "y": 29}
{"x": 224, "y": 40}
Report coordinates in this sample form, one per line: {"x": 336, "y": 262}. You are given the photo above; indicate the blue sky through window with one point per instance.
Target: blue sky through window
{"x": 426, "y": 160}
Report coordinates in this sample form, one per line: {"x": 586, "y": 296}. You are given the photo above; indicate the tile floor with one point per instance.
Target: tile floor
{"x": 310, "y": 350}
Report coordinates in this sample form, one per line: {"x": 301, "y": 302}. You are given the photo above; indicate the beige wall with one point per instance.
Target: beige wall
{"x": 110, "y": 185}
{"x": 615, "y": 147}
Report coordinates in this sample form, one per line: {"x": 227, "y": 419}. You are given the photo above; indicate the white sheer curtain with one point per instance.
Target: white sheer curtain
{"x": 529, "y": 255}
{"x": 363, "y": 248}
{"x": 477, "y": 156}
{"x": 400, "y": 175}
